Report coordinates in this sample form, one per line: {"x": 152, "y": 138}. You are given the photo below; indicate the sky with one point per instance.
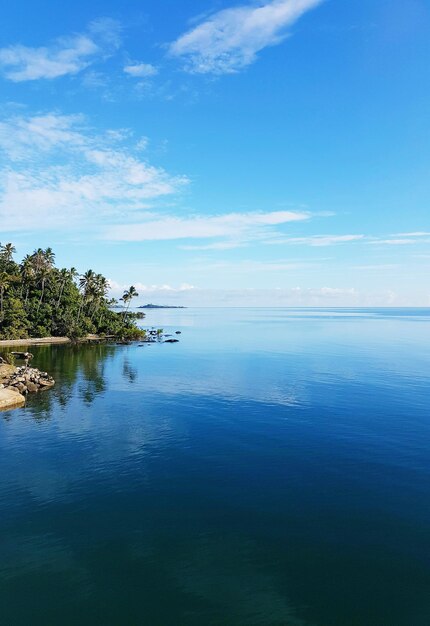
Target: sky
{"x": 222, "y": 153}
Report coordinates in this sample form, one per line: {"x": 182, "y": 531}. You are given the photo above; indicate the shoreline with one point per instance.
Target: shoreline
{"x": 34, "y": 341}
{"x": 17, "y": 382}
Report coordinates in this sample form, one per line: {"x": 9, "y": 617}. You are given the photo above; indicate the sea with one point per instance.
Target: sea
{"x": 272, "y": 468}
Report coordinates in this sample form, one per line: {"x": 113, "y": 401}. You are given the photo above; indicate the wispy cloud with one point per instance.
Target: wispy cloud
{"x": 230, "y": 40}
{"x": 64, "y": 56}
{"x": 57, "y": 171}
{"x": 252, "y": 267}
{"x": 143, "y": 289}
{"x": 218, "y": 245}
{"x": 400, "y": 239}
{"x": 331, "y": 240}
{"x": 140, "y": 70}
{"x": 414, "y": 234}
{"x": 237, "y": 225}
{"x": 404, "y": 241}
{"x": 316, "y": 240}
{"x": 326, "y": 296}
{"x": 381, "y": 267}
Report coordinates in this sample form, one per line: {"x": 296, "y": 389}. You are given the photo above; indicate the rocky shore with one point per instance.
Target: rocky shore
{"x": 17, "y": 382}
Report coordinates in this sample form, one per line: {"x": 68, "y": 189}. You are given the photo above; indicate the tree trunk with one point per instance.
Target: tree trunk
{"x": 61, "y": 295}
{"x": 42, "y": 294}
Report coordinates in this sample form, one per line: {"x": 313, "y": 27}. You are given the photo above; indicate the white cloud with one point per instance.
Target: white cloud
{"x": 219, "y": 245}
{"x": 142, "y": 289}
{"x": 317, "y": 240}
{"x": 401, "y": 239}
{"x": 381, "y": 267}
{"x": 230, "y": 39}
{"x": 326, "y": 296}
{"x": 415, "y": 234}
{"x": 203, "y": 227}
{"x": 22, "y": 138}
{"x": 141, "y": 70}
{"x": 142, "y": 144}
{"x": 397, "y": 242}
{"x": 251, "y": 267}
{"x": 57, "y": 172}
{"x": 65, "y": 56}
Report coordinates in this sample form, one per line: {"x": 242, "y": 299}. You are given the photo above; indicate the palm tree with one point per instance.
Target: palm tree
{"x": 127, "y": 297}
{"x": 44, "y": 273}
{"x": 73, "y": 273}
{"x": 7, "y": 252}
{"x": 49, "y": 257}
{"x": 87, "y": 280}
{"x": 27, "y": 274}
{"x": 4, "y": 284}
{"x": 38, "y": 260}
{"x": 63, "y": 278}
{"x": 86, "y": 285}
{"x": 65, "y": 275}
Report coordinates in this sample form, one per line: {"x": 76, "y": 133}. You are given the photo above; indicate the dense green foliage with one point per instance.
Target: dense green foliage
{"x": 39, "y": 300}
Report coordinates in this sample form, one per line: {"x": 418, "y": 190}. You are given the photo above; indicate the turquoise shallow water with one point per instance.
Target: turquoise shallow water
{"x": 273, "y": 468}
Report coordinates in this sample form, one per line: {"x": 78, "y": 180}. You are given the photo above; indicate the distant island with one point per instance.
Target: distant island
{"x": 160, "y": 306}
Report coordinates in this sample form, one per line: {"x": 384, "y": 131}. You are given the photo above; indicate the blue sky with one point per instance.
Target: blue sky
{"x": 214, "y": 152}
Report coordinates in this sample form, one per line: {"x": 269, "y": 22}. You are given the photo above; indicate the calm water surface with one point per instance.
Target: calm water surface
{"x": 273, "y": 468}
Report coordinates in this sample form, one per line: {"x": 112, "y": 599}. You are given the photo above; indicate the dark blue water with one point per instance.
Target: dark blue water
{"x": 273, "y": 468}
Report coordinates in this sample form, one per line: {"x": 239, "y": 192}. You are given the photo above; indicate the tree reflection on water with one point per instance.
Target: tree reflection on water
{"x": 79, "y": 372}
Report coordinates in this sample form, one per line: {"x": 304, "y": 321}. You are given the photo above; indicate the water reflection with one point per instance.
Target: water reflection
{"x": 255, "y": 473}
{"x": 79, "y": 372}
{"x": 129, "y": 371}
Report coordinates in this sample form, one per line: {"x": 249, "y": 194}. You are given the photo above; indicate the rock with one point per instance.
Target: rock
{"x": 14, "y": 389}
{"x": 10, "y": 399}
{"x": 22, "y": 355}
{"x": 46, "y": 383}
{"x": 22, "y": 380}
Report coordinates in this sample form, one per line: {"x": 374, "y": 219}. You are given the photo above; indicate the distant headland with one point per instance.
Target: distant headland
{"x": 160, "y": 306}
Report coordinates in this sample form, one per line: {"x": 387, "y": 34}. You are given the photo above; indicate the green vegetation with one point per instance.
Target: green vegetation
{"x": 39, "y": 300}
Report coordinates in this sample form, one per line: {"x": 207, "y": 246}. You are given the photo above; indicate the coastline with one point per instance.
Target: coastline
{"x": 33, "y": 341}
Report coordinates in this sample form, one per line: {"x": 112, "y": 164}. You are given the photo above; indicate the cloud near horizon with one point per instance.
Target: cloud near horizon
{"x": 64, "y": 56}
{"x": 230, "y": 40}
{"x": 118, "y": 288}
{"x": 191, "y": 296}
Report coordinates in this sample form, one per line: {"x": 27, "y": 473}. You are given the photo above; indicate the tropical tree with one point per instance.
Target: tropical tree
{"x": 127, "y": 297}
{"x": 37, "y": 299}
{"x": 4, "y": 285}
{"x": 7, "y": 251}
{"x": 43, "y": 276}
{"x": 27, "y": 276}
